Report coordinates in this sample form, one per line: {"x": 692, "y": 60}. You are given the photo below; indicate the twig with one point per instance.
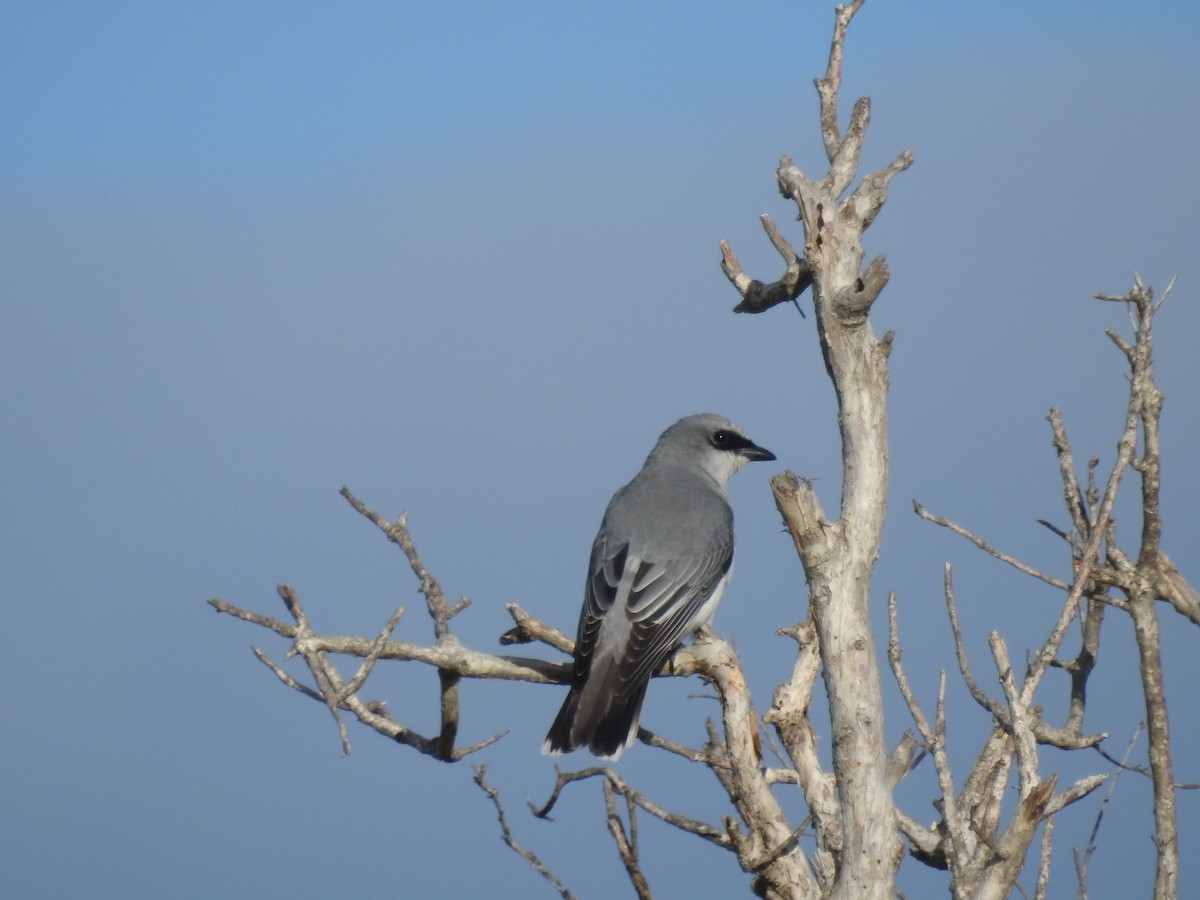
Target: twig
{"x": 650, "y": 739}
{"x": 988, "y": 548}
{"x": 828, "y": 86}
{"x": 280, "y": 628}
{"x": 397, "y": 532}
{"x": 692, "y": 826}
{"x": 1019, "y": 717}
{"x": 448, "y": 654}
{"x": 1043, "y": 874}
{"x": 529, "y": 629}
{"x": 626, "y": 841}
{"x": 960, "y": 649}
{"x": 369, "y": 661}
{"x": 933, "y": 737}
{"x": 285, "y": 677}
{"x": 756, "y": 296}
{"x": 1083, "y": 857}
{"x": 1139, "y": 581}
{"x": 328, "y": 681}
{"x": 337, "y": 694}
{"x": 506, "y": 833}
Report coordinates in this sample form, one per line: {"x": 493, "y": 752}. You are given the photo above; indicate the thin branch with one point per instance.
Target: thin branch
{"x": 337, "y": 694}
{"x": 1144, "y": 771}
{"x": 448, "y": 654}
{"x": 1084, "y": 663}
{"x": 1174, "y": 588}
{"x": 650, "y": 739}
{"x": 1140, "y": 580}
{"x": 926, "y": 844}
{"x": 369, "y": 661}
{"x": 562, "y": 779}
{"x": 787, "y": 845}
{"x": 756, "y": 296}
{"x": 280, "y": 628}
{"x": 844, "y": 165}
{"x": 933, "y": 737}
{"x": 868, "y": 198}
{"x": 692, "y": 826}
{"x": 715, "y": 660}
{"x": 529, "y": 629}
{"x": 1074, "y": 794}
{"x": 788, "y": 716}
{"x": 1087, "y": 562}
{"x": 1072, "y": 495}
{"x": 1082, "y": 858}
{"x": 960, "y": 649}
{"x": 397, "y": 532}
{"x": 988, "y": 548}
{"x": 1023, "y": 740}
{"x": 1043, "y": 874}
{"x": 285, "y": 677}
{"x": 626, "y": 841}
{"x": 506, "y": 833}
{"x": 329, "y": 684}
{"x": 827, "y": 87}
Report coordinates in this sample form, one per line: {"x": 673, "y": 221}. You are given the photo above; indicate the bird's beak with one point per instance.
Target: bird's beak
{"x": 753, "y": 452}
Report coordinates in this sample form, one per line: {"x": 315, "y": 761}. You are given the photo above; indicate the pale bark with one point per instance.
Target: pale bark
{"x": 987, "y": 824}
{"x": 839, "y": 556}
{"x": 988, "y": 867}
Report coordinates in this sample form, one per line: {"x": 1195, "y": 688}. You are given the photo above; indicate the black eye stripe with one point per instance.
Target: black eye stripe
{"x": 728, "y": 440}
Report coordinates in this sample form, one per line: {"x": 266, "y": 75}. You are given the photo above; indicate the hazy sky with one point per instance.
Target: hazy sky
{"x": 463, "y": 259}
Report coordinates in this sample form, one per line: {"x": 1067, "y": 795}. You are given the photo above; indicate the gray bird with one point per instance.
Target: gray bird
{"x": 659, "y": 565}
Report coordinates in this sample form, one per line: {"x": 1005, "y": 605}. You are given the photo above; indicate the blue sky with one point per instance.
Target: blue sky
{"x": 464, "y": 260}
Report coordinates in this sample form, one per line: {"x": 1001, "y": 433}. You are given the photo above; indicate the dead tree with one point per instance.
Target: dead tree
{"x": 859, "y": 836}
{"x": 983, "y": 854}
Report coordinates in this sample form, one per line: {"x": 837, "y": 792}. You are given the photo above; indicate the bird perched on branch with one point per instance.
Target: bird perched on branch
{"x": 658, "y": 568}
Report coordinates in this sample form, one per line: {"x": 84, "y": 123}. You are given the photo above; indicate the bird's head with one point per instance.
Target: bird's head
{"x": 711, "y": 442}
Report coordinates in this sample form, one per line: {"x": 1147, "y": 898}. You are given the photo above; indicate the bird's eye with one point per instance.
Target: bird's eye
{"x": 721, "y": 438}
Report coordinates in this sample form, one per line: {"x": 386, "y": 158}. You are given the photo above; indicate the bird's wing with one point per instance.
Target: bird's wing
{"x": 605, "y": 572}
{"x": 665, "y": 604}
{"x": 661, "y": 598}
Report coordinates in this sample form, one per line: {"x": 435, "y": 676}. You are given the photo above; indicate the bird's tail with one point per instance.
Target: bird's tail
{"x": 607, "y": 726}
{"x": 558, "y": 739}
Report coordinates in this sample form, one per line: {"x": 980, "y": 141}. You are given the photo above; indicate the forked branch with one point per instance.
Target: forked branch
{"x": 1099, "y": 565}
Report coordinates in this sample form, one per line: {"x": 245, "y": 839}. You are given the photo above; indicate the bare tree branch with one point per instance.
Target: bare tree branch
{"x": 789, "y": 717}
{"x": 756, "y": 296}
{"x": 336, "y": 693}
{"x": 1139, "y": 581}
{"x": 1142, "y": 580}
{"x": 828, "y": 87}
{"x": 1019, "y": 718}
{"x": 700, "y": 829}
{"x": 626, "y": 841}
{"x": 448, "y": 654}
{"x": 1174, "y": 588}
{"x": 838, "y": 558}
{"x": 934, "y": 739}
{"x": 1043, "y": 872}
{"x": 529, "y": 629}
{"x": 985, "y": 828}
{"x": 788, "y": 874}
{"x": 506, "y": 833}
{"x": 988, "y": 548}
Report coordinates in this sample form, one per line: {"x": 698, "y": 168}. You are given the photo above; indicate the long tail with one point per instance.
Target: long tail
{"x": 558, "y": 739}
{"x": 607, "y": 727}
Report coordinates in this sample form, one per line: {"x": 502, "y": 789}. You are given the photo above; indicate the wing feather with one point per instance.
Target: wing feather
{"x": 661, "y": 600}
